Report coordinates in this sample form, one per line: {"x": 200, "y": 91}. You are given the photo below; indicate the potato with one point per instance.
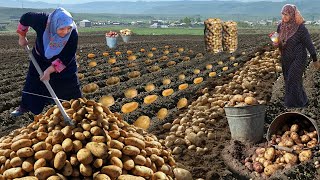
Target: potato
{"x": 269, "y": 170}
{"x": 290, "y": 158}
{"x": 116, "y": 161}
{"x": 54, "y": 177}
{"x": 305, "y": 155}
{"x": 139, "y": 160}
{"x": 130, "y": 177}
{"x": 142, "y": 171}
{"x": 159, "y": 176}
{"x": 101, "y": 177}
{"x": 98, "y": 139}
{"x": 44, "y": 172}
{"x": 67, "y": 145}
{"x": 128, "y": 163}
{"x": 99, "y": 150}
{"x": 39, "y": 146}
{"x": 16, "y": 162}
{"x": 180, "y": 173}
{"x": 67, "y": 131}
{"x": 42, "y": 135}
{"x": 27, "y": 165}
{"x": 258, "y": 167}
{"x": 115, "y": 153}
{"x": 313, "y": 143}
{"x": 134, "y": 142}
{"x": 305, "y": 138}
{"x": 5, "y": 152}
{"x": 67, "y": 170}
{"x": 40, "y": 163}
{"x": 45, "y": 154}
{"x": 85, "y": 170}
{"x": 84, "y": 156}
{"x": 73, "y": 160}
{"x": 295, "y": 137}
{"x": 112, "y": 171}
{"x": 57, "y": 148}
{"x": 25, "y": 152}
{"x": 21, "y": 144}
{"x": 13, "y": 173}
{"x": 77, "y": 145}
{"x": 25, "y": 178}
{"x": 98, "y": 163}
{"x": 294, "y": 128}
{"x": 60, "y": 160}
{"x": 131, "y": 150}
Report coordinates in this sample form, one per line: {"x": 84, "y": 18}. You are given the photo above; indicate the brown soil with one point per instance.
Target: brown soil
{"x": 14, "y": 64}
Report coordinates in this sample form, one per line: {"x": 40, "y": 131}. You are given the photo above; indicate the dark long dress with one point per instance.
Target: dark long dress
{"x": 294, "y": 61}
{"x": 65, "y": 84}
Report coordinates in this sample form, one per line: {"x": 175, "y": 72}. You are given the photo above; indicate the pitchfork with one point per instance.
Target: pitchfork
{"x": 66, "y": 118}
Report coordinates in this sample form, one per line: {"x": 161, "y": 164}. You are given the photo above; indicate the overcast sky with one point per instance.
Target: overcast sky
{"x": 84, "y": 1}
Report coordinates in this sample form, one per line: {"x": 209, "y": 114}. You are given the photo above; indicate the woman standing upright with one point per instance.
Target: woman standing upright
{"x": 54, "y": 51}
{"x": 294, "y": 41}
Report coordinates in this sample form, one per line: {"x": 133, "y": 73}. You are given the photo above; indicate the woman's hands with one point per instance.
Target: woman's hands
{"x": 23, "y": 41}
{"x": 46, "y": 73}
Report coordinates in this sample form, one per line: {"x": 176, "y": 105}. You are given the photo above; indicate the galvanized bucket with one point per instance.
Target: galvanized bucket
{"x": 246, "y": 123}
{"x": 111, "y": 42}
{"x": 126, "y": 39}
{"x": 285, "y": 118}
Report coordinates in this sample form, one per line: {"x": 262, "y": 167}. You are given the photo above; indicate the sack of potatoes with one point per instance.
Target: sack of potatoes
{"x": 213, "y": 35}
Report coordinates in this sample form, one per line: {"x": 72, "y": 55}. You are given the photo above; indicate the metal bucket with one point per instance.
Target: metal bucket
{"x": 111, "y": 42}
{"x": 246, "y": 123}
{"x": 284, "y": 118}
{"x": 126, "y": 39}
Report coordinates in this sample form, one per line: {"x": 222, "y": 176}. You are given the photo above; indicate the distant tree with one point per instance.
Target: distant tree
{"x": 187, "y": 21}
{"x": 198, "y": 19}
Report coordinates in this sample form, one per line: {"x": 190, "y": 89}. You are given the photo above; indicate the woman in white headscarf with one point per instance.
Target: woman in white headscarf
{"x": 294, "y": 42}
{"x": 54, "y": 50}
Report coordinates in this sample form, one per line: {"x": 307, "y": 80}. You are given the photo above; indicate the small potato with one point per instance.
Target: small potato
{"x": 77, "y": 145}
{"x": 57, "y": 148}
{"x": 44, "y": 172}
{"x": 116, "y": 161}
{"x": 305, "y": 138}
{"x": 84, "y": 156}
{"x": 305, "y": 155}
{"x": 112, "y": 171}
{"x": 13, "y": 173}
{"x": 294, "y": 128}
{"x": 99, "y": 150}
{"x": 73, "y": 160}
{"x": 290, "y": 158}
{"x": 115, "y": 152}
{"x": 131, "y": 150}
{"x": 139, "y": 160}
{"x": 16, "y": 162}
{"x": 67, "y": 170}
{"x": 116, "y": 144}
{"x": 67, "y": 145}
{"x": 102, "y": 177}
{"x": 130, "y": 177}
{"x": 270, "y": 154}
{"x": 135, "y": 142}
{"x": 142, "y": 171}
{"x": 45, "y": 154}
{"x": 39, "y": 146}
{"x": 27, "y": 165}
{"x": 159, "y": 176}
{"x": 21, "y": 144}
{"x": 60, "y": 160}
{"x": 40, "y": 163}
{"x": 128, "y": 163}
{"x": 25, "y": 152}
{"x": 269, "y": 170}
{"x": 182, "y": 174}
{"x": 98, "y": 163}
{"x": 258, "y": 167}
{"x": 85, "y": 170}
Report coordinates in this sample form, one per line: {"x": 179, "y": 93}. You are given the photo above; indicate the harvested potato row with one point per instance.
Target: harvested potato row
{"x": 99, "y": 146}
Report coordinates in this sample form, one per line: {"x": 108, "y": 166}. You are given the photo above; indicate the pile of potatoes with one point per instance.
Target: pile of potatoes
{"x": 190, "y": 130}
{"x": 294, "y": 146}
{"x": 99, "y": 146}
{"x": 253, "y": 76}
{"x": 213, "y": 35}
{"x": 230, "y": 36}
